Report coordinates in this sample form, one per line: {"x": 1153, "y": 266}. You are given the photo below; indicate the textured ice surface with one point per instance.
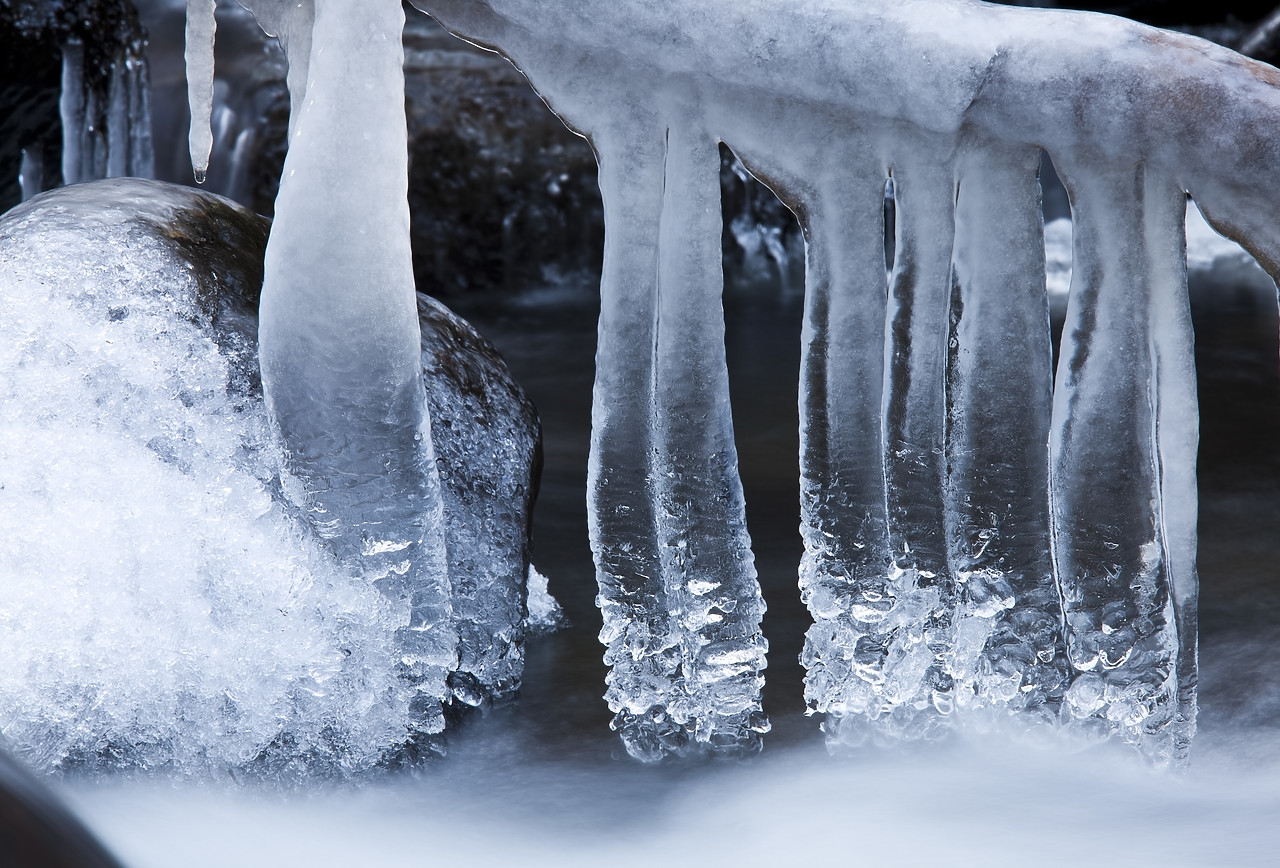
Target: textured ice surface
{"x": 929, "y": 498}
{"x": 952, "y": 563}
{"x": 488, "y": 451}
{"x": 161, "y": 605}
{"x": 339, "y": 341}
{"x": 158, "y": 606}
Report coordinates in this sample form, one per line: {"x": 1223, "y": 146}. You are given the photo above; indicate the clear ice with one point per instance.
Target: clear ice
{"x": 980, "y": 539}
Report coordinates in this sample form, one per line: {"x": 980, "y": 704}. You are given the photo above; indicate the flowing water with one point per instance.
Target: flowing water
{"x": 545, "y": 782}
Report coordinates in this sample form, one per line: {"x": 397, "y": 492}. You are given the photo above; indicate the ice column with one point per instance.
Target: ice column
{"x": 678, "y": 587}
{"x": 916, "y": 629}
{"x": 339, "y": 335}
{"x": 844, "y": 576}
{"x": 1006, "y": 651}
{"x": 1123, "y": 456}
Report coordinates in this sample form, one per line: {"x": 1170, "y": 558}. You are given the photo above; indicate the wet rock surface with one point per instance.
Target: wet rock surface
{"x": 37, "y": 830}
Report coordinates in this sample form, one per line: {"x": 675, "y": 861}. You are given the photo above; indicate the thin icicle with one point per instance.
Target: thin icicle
{"x": 71, "y": 106}
{"x": 142, "y": 158}
{"x": 118, "y": 122}
{"x": 201, "y": 27}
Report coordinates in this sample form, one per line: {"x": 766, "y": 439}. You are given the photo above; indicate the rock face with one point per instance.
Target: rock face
{"x": 160, "y": 605}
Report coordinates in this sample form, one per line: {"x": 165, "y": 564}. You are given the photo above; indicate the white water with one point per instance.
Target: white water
{"x": 986, "y": 804}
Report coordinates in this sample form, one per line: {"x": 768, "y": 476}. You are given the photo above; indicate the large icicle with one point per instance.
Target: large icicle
{"x": 1007, "y": 651}
{"x": 339, "y": 335}
{"x": 916, "y": 629}
{"x": 844, "y": 577}
{"x": 1124, "y": 349}
{"x": 708, "y": 570}
{"x": 620, "y": 500}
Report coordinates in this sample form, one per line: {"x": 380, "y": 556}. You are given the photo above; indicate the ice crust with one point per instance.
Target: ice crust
{"x": 953, "y": 562}
{"x": 155, "y": 577}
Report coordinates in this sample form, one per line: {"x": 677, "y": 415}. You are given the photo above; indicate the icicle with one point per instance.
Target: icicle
{"x": 117, "y": 162}
{"x": 339, "y": 338}
{"x": 142, "y": 158}
{"x": 71, "y": 105}
{"x": 843, "y": 577}
{"x": 917, "y": 628}
{"x": 290, "y": 21}
{"x": 1007, "y": 652}
{"x": 620, "y": 501}
{"x": 1120, "y": 411}
{"x": 31, "y": 175}
{"x": 704, "y": 551}
{"x": 201, "y": 26}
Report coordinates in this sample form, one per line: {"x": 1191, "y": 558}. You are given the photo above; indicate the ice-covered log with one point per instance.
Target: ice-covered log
{"x": 927, "y": 508}
{"x": 959, "y": 96}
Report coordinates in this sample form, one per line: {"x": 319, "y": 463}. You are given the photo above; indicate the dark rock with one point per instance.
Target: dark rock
{"x": 37, "y": 830}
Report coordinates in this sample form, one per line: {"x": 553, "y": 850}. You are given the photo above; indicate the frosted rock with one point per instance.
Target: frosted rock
{"x": 163, "y": 608}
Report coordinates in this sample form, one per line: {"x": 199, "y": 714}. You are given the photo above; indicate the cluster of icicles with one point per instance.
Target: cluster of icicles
{"x": 983, "y": 536}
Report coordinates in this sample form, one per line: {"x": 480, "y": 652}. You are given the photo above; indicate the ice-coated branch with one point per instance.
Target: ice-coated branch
{"x": 976, "y": 543}
{"x": 958, "y": 558}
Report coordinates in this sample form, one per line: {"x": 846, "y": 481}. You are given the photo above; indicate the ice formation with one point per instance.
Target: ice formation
{"x": 979, "y": 539}
{"x": 81, "y": 80}
{"x": 161, "y": 609}
{"x": 339, "y": 340}
{"x": 153, "y": 582}
{"x": 443, "y": 532}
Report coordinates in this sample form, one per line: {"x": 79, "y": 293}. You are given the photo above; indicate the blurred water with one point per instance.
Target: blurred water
{"x": 544, "y": 782}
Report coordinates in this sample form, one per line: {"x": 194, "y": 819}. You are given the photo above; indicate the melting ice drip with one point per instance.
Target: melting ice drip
{"x": 979, "y": 539}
